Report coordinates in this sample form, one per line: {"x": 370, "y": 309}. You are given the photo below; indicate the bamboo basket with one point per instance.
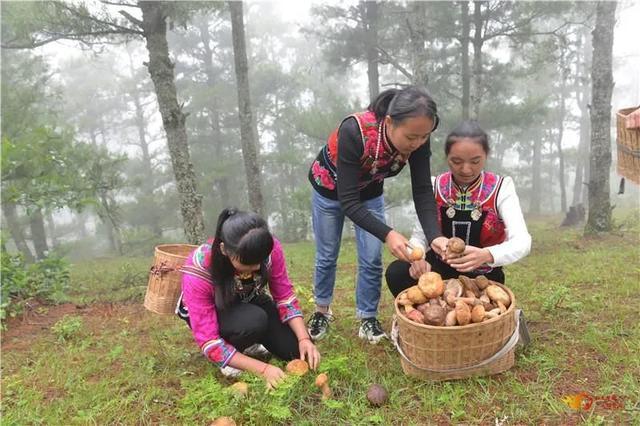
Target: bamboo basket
{"x": 628, "y": 143}
{"x": 165, "y": 278}
{"x": 446, "y": 353}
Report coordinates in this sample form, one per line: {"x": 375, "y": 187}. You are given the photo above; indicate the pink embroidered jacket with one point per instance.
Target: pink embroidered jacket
{"x": 198, "y": 296}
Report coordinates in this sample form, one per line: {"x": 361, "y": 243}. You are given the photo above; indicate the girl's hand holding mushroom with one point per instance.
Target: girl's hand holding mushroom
{"x": 472, "y": 258}
{"x": 309, "y": 351}
{"x": 439, "y": 246}
{"x": 397, "y": 245}
{"x": 272, "y": 375}
{"x": 418, "y": 268}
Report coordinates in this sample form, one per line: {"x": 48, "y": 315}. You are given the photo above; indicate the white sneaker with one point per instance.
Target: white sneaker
{"x": 230, "y": 372}
{"x": 256, "y": 351}
{"x": 371, "y": 330}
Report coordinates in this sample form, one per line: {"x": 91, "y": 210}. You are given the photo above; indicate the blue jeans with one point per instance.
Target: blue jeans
{"x": 328, "y": 220}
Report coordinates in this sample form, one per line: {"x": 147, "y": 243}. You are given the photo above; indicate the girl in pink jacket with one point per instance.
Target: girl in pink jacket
{"x": 226, "y": 303}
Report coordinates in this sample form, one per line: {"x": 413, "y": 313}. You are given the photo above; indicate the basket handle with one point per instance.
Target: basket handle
{"x": 395, "y": 338}
{"x": 160, "y": 270}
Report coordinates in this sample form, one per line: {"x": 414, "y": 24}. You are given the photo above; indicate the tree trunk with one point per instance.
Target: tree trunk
{"x": 464, "y": 52}
{"x": 478, "y": 41}
{"x": 599, "y": 218}
{"x": 582, "y": 96}
{"x": 536, "y": 177}
{"x": 248, "y": 130}
{"x": 38, "y": 234}
{"x": 222, "y": 182}
{"x": 417, "y": 27}
{"x": 561, "y": 116}
{"x": 372, "y": 47}
{"x": 15, "y": 229}
{"x": 173, "y": 119}
{"x": 52, "y": 230}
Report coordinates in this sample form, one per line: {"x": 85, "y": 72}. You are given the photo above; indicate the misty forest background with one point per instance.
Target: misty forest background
{"x": 126, "y": 124}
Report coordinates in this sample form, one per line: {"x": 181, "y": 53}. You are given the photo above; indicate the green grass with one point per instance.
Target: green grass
{"x": 109, "y": 361}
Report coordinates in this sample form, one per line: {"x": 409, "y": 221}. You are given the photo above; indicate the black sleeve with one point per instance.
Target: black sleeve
{"x": 422, "y": 190}
{"x": 350, "y": 150}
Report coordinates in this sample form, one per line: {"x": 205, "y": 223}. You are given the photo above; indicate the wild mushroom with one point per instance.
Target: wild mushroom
{"x": 469, "y": 285}
{"x": 240, "y": 388}
{"x": 223, "y": 421}
{"x": 453, "y": 289}
{"x": 463, "y": 313}
{"x": 497, "y": 294}
{"x": 455, "y": 248}
{"x": 416, "y": 316}
{"x": 297, "y": 367}
{"x": 450, "y": 319}
{"x": 434, "y": 314}
{"x": 482, "y": 282}
{"x": 415, "y": 253}
{"x": 477, "y": 313}
{"x": 322, "y": 381}
{"x": 431, "y": 285}
{"x": 415, "y": 295}
{"x": 377, "y": 395}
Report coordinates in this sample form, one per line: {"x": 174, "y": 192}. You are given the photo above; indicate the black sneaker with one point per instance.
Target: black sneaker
{"x": 319, "y": 325}
{"x": 371, "y": 330}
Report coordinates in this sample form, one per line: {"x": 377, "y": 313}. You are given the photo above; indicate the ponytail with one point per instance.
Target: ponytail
{"x": 380, "y": 105}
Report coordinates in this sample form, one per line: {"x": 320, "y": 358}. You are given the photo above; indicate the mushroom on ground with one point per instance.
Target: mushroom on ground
{"x": 297, "y": 367}
{"x": 431, "y": 285}
{"x": 322, "y": 381}
{"x": 455, "y": 248}
{"x": 223, "y": 421}
{"x": 240, "y": 388}
{"x": 377, "y": 395}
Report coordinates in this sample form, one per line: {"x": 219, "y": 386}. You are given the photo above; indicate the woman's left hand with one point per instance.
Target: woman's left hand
{"x": 309, "y": 351}
{"x": 472, "y": 258}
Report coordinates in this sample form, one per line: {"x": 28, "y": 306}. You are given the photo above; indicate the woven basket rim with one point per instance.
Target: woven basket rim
{"x": 163, "y": 249}
{"x": 623, "y": 112}
{"x": 470, "y": 326}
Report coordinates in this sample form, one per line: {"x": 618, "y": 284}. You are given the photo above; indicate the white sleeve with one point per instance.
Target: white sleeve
{"x": 518, "y": 242}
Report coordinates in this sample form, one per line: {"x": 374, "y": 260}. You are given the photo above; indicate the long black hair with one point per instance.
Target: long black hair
{"x": 467, "y": 129}
{"x": 400, "y": 104}
{"x": 246, "y": 236}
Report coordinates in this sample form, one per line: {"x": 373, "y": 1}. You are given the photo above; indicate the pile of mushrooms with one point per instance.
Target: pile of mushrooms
{"x": 454, "y": 302}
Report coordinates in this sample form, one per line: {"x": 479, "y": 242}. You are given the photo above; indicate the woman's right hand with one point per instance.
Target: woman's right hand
{"x": 273, "y": 376}
{"x": 397, "y": 245}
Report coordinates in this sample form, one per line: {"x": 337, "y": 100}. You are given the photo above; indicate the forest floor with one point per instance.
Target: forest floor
{"x": 101, "y": 358}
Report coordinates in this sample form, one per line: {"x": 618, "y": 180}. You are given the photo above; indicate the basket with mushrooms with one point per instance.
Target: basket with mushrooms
{"x": 454, "y": 302}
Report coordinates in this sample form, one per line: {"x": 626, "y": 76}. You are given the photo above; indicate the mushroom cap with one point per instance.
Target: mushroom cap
{"x": 240, "y": 388}
{"x": 431, "y": 284}
{"x": 434, "y": 314}
{"x": 297, "y": 367}
{"x": 456, "y": 245}
{"x": 377, "y": 395}
{"x": 416, "y": 253}
{"x": 322, "y": 380}
{"x": 223, "y": 421}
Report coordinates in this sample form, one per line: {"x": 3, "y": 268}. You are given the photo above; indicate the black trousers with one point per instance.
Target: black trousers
{"x": 398, "y": 278}
{"x": 245, "y": 324}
